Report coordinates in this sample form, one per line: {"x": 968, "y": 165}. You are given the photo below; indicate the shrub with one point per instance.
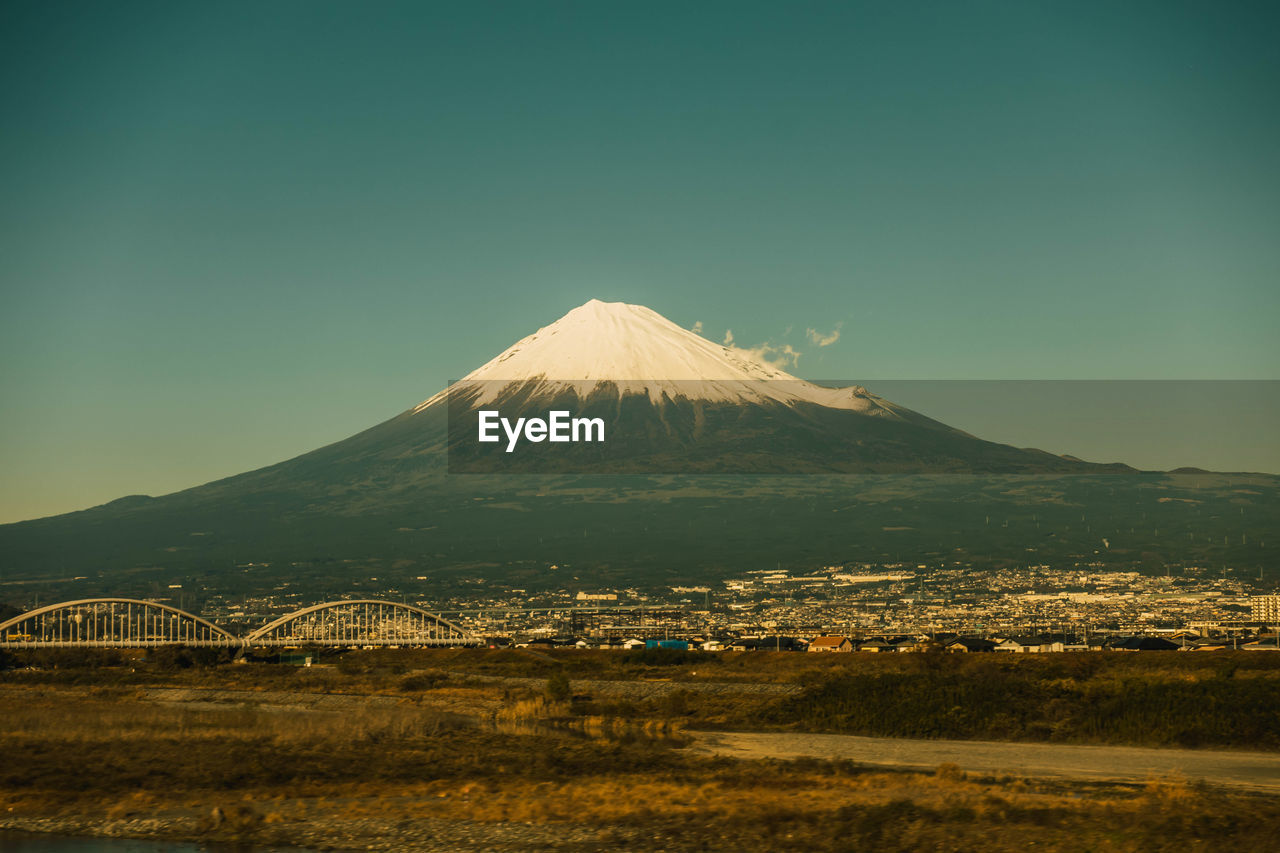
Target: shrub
{"x": 558, "y": 689}
{"x": 423, "y": 681}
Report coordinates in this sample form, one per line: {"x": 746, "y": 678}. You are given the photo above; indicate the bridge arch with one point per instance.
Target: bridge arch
{"x": 363, "y": 622}
{"x": 112, "y": 623}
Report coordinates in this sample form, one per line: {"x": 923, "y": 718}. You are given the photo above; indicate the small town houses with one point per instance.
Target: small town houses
{"x": 831, "y": 644}
{"x": 884, "y": 644}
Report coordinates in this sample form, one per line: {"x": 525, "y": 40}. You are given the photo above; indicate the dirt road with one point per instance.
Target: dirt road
{"x": 1254, "y": 770}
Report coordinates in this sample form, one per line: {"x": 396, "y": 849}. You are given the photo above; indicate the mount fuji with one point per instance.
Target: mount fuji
{"x": 636, "y": 350}
{"x": 409, "y": 498}
{"x": 677, "y": 403}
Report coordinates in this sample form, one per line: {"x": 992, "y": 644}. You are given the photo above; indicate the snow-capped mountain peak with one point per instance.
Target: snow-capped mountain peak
{"x": 640, "y": 351}
{"x": 616, "y": 341}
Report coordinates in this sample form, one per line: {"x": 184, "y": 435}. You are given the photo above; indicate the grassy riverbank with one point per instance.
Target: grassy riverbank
{"x": 1214, "y": 699}
{"x": 404, "y": 774}
{"x": 453, "y": 750}
{"x": 1131, "y": 701}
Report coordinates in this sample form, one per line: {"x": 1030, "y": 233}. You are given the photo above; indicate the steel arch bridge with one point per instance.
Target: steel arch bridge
{"x": 361, "y": 622}
{"x": 112, "y": 623}
{"x": 133, "y": 623}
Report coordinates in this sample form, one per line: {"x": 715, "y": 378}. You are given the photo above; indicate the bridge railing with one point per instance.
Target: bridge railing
{"x": 135, "y": 623}
{"x": 363, "y": 622}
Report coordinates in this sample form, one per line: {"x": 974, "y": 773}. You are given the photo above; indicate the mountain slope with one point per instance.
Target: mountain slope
{"x": 384, "y": 499}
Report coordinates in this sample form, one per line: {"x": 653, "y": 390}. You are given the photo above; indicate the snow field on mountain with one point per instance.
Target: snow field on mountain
{"x": 643, "y": 352}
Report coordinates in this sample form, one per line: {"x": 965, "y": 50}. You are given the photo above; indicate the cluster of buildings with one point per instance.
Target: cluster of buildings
{"x": 1027, "y": 600}
{"x": 942, "y": 642}
{"x": 908, "y": 608}
{"x": 864, "y": 608}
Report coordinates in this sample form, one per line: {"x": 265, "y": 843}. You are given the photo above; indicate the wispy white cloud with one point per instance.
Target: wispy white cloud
{"x": 776, "y": 355}
{"x": 824, "y": 340}
{"x": 697, "y": 328}
{"x": 783, "y": 355}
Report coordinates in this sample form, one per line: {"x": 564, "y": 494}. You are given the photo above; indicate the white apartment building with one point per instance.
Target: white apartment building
{"x": 1266, "y": 608}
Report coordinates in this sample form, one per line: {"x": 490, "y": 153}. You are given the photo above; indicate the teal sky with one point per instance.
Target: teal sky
{"x": 233, "y": 232}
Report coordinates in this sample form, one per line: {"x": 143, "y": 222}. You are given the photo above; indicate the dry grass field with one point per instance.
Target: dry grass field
{"x": 364, "y": 756}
